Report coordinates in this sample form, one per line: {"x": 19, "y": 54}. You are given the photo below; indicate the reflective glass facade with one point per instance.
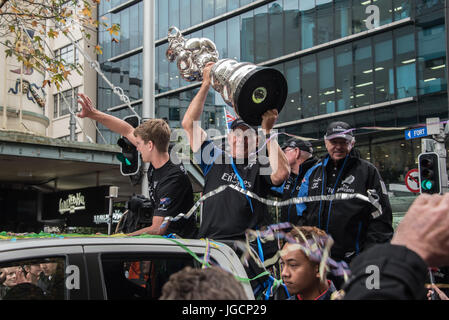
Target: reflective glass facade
{"x": 335, "y": 66}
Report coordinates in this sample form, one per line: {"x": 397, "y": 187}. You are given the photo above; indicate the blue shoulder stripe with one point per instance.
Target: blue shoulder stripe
{"x": 304, "y": 189}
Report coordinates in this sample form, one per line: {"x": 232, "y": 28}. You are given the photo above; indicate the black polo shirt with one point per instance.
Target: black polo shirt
{"x": 229, "y": 213}
{"x": 171, "y": 192}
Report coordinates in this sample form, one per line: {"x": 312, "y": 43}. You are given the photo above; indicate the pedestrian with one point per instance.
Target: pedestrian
{"x": 170, "y": 189}
{"x": 228, "y": 214}
{"x": 300, "y": 157}
{"x": 353, "y": 224}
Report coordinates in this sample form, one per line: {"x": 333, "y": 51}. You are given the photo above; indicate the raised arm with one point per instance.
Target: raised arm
{"x": 278, "y": 160}
{"x": 191, "y": 119}
{"x": 112, "y": 123}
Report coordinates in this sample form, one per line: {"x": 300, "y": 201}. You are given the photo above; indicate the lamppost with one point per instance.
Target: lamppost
{"x": 148, "y": 111}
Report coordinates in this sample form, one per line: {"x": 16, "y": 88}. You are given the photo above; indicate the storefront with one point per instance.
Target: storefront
{"x": 81, "y": 209}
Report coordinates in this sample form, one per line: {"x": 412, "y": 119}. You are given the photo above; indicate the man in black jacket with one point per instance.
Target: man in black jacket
{"x": 354, "y": 224}
{"x": 300, "y": 157}
{"x": 399, "y": 270}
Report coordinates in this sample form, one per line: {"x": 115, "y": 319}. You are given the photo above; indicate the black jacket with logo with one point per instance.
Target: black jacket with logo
{"x": 229, "y": 213}
{"x": 290, "y": 189}
{"x": 353, "y": 224}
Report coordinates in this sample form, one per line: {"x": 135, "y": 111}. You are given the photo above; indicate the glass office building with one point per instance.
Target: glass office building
{"x": 338, "y": 67}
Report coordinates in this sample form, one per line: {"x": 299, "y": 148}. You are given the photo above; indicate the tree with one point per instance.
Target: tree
{"x": 26, "y": 26}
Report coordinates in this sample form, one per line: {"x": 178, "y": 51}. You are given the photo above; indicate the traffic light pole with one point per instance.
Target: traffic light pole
{"x": 440, "y": 149}
{"x": 437, "y": 145}
{"x": 148, "y": 76}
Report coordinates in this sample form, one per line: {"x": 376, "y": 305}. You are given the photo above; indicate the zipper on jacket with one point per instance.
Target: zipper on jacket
{"x": 357, "y": 239}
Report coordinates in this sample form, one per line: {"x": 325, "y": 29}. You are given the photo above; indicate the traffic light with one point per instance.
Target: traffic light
{"x": 129, "y": 157}
{"x": 429, "y": 172}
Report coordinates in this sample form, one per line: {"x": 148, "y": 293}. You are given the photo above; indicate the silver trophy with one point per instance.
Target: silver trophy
{"x": 251, "y": 90}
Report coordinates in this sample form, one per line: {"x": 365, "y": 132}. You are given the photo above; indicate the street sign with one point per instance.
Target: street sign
{"x": 412, "y": 180}
{"x": 433, "y": 125}
{"x": 415, "y": 133}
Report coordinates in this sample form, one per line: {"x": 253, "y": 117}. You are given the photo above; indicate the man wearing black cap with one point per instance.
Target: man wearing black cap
{"x": 300, "y": 157}
{"x": 227, "y": 215}
{"x": 353, "y": 224}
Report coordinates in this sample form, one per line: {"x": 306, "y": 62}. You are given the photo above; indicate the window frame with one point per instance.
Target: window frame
{"x": 58, "y": 98}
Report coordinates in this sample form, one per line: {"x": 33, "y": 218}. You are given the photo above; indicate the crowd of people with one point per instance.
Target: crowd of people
{"x": 361, "y": 229}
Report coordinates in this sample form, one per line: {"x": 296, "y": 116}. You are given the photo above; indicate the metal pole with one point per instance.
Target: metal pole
{"x": 5, "y": 93}
{"x": 72, "y": 122}
{"x": 113, "y": 193}
{"x": 72, "y": 127}
{"x": 110, "y": 216}
{"x": 148, "y": 111}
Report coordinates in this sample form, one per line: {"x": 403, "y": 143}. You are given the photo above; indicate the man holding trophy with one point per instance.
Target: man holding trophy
{"x": 228, "y": 214}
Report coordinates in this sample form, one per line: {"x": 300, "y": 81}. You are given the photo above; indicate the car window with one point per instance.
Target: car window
{"x": 35, "y": 279}
{"x": 133, "y": 277}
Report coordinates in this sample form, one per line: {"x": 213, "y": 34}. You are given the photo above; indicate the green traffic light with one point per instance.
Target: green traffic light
{"x": 123, "y": 159}
{"x": 427, "y": 185}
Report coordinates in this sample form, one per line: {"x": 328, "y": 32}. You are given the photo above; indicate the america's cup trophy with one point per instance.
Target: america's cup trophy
{"x": 251, "y": 90}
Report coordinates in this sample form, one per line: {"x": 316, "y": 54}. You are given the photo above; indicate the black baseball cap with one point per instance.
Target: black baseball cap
{"x": 239, "y": 122}
{"x": 298, "y": 143}
{"x": 339, "y": 129}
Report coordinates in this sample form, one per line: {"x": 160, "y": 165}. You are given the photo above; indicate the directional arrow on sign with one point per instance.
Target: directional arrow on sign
{"x": 416, "y": 133}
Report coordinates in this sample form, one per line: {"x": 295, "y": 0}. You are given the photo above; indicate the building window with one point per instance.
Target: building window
{"x": 363, "y": 75}
{"x": 67, "y": 55}
{"x": 343, "y": 77}
{"x": 383, "y": 67}
{"x": 405, "y": 63}
{"x": 307, "y": 12}
{"x": 64, "y": 102}
{"x": 308, "y": 90}
{"x": 326, "y": 82}
{"x": 432, "y": 59}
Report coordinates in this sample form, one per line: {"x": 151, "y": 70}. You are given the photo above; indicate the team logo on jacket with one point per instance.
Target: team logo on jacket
{"x": 349, "y": 180}
{"x": 345, "y": 185}
{"x": 315, "y": 183}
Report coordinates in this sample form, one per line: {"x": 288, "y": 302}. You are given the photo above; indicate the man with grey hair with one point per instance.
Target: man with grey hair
{"x": 354, "y": 224}
{"x": 300, "y": 157}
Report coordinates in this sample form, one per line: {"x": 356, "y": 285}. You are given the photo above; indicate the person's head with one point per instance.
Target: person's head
{"x": 152, "y": 136}
{"x": 300, "y": 274}
{"x": 34, "y": 270}
{"x": 202, "y": 284}
{"x": 242, "y": 139}
{"x": 297, "y": 151}
{"x": 10, "y": 276}
{"x": 49, "y": 268}
{"x": 339, "y": 140}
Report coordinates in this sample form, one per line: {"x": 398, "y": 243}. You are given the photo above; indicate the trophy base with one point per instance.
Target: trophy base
{"x": 260, "y": 90}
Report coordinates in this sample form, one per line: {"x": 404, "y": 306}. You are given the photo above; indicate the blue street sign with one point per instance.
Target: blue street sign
{"x": 416, "y": 133}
